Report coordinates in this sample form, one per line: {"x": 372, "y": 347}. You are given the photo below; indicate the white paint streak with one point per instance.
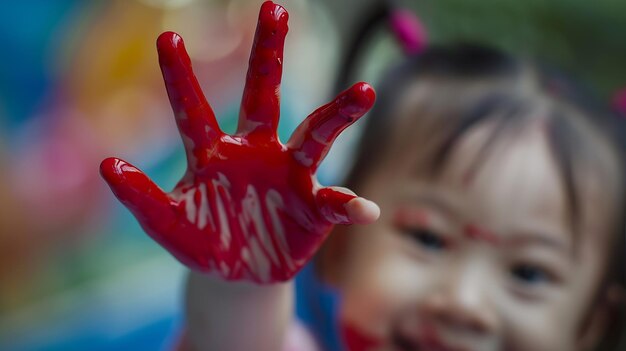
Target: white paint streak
{"x": 225, "y": 269}
{"x": 301, "y": 157}
{"x": 249, "y": 125}
{"x": 260, "y": 261}
{"x": 229, "y": 139}
{"x": 204, "y": 212}
{"x": 317, "y": 136}
{"x": 190, "y": 205}
{"x": 252, "y": 213}
{"x": 222, "y": 183}
{"x": 258, "y": 252}
{"x": 245, "y": 256}
{"x": 304, "y": 220}
{"x": 189, "y": 147}
{"x": 274, "y": 202}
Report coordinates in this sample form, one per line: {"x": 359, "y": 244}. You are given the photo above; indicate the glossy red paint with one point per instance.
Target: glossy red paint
{"x": 248, "y": 207}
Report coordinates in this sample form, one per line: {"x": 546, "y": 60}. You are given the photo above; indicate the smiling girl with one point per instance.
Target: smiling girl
{"x": 501, "y": 212}
{"x": 501, "y": 209}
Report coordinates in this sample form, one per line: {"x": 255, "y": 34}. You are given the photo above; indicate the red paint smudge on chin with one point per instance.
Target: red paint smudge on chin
{"x": 474, "y": 232}
{"x": 356, "y": 340}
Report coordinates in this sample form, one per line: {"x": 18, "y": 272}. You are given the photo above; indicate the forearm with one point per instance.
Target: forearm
{"x": 223, "y": 315}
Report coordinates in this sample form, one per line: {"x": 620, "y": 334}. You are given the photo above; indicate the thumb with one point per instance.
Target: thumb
{"x": 341, "y": 206}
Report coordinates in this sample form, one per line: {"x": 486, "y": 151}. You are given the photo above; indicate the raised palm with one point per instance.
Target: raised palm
{"x": 248, "y": 207}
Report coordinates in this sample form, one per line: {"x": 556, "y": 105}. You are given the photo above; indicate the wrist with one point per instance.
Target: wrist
{"x": 229, "y": 315}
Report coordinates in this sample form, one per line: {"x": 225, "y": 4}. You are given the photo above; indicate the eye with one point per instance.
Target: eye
{"x": 530, "y": 274}
{"x": 427, "y": 239}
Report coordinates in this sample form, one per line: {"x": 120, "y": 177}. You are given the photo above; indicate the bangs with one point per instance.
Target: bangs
{"x": 428, "y": 106}
{"x": 575, "y": 146}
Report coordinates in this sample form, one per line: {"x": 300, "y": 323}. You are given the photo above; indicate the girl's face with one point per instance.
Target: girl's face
{"x": 481, "y": 258}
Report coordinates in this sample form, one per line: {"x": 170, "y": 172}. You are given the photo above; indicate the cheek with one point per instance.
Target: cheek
{"x": 545, "y": 326}
{"x": 555, "y": 324}
{"x": 382, "y": 282}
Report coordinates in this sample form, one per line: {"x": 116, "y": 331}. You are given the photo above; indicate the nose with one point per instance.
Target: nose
{"x": 462, "y": 301}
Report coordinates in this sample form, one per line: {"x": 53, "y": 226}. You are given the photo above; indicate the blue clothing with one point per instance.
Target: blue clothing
{"x": 317, "y": 308}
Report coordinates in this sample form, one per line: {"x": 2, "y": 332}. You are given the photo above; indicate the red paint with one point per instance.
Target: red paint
{"x": 356, "y": 340}
{"x": 332, "y": 204}
{"x": 260, "y": 105}
{"x": 227, "y": 176}
{"x": 409, "y": 217}
{"x": 476, "y": 233}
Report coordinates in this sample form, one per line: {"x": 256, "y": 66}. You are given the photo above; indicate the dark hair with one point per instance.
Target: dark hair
{"x": 467, "y": 85}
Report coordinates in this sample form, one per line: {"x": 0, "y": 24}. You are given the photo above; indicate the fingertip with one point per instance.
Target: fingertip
{"x": 366, "y": 94}
{"x": 168, "y": 41}
{"x": 110, "y": 169}
{"x": 171, "y": 50}
{"x": 362, "y": 211}
{"x": 360, "y": 99}
{"x": 117, "y": 172}
{"x": 272, "y": 13}
{"x": 137, "y": 192}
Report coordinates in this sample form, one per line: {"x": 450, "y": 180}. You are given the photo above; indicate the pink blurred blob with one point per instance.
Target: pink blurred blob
{"x": 52, "y": 175}
{"x": 619, "y": 101}
{"x": 409, "y": 31}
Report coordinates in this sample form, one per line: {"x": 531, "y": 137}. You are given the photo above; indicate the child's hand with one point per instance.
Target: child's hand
{"x": 248, "y": 206}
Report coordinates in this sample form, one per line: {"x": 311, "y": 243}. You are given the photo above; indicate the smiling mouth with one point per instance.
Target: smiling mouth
{"x": 427, "y": 343}
{"x": 403, "y": 344}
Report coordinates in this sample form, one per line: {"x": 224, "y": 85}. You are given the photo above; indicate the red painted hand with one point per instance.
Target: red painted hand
{"x": 248, "y": 207}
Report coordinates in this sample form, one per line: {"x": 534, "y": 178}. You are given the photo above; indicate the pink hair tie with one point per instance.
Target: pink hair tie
{"x": 409, "y": 31}
{"x": 619, "y": 101}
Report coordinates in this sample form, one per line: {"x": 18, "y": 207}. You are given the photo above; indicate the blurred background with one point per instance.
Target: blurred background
{"x": 79, "y": 81}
